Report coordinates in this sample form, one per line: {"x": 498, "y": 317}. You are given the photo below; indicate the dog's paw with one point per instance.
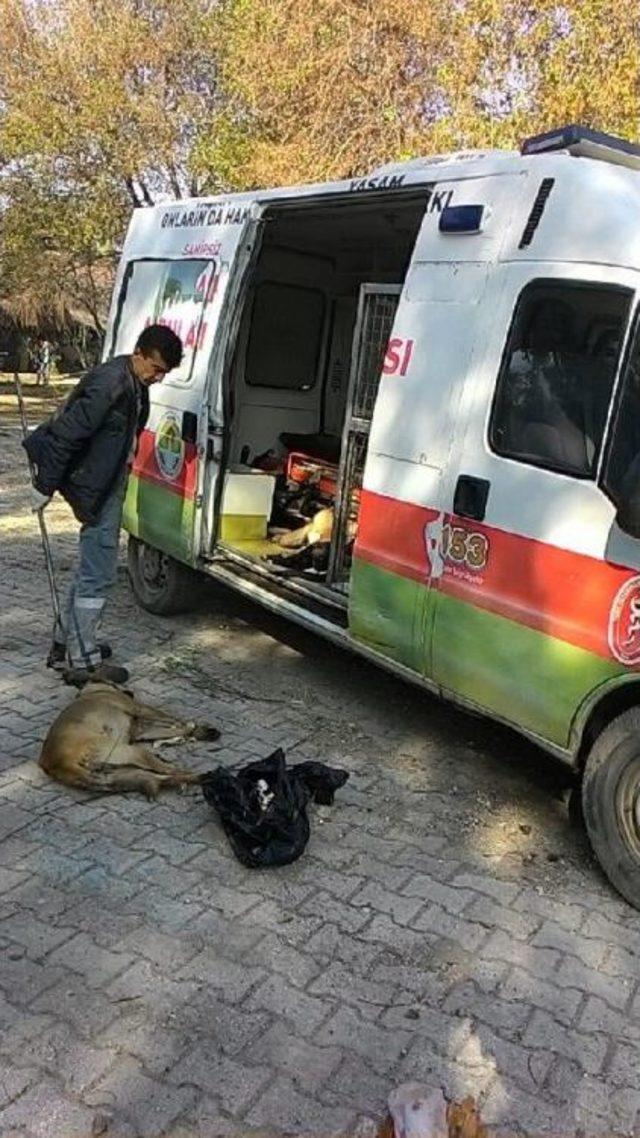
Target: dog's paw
{"x": 205, "y": 731}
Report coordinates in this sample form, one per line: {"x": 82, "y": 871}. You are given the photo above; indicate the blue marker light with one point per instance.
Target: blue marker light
{"x": 461, "y": 219}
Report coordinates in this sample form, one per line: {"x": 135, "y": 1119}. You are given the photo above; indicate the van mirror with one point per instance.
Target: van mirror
{"x": 628, "y": 516}
{"x": 621, "y": 476}
{"x": 624, "y": 492}
{"x": 629, "y": 519}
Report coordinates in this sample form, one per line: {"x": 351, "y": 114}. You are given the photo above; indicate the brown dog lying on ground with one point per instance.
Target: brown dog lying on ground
{"x": 98, "y": 743}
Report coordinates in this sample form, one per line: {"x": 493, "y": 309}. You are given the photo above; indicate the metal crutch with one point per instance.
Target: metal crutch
{"x": 55, "y": 599}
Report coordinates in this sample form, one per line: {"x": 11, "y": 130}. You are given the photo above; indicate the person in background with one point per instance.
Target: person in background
{"x": 44, "y": 362}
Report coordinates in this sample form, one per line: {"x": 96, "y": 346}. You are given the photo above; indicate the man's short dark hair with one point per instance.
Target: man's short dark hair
{"x": 159, "y": 338}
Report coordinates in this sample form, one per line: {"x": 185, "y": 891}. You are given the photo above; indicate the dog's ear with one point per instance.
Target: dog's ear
{"x": 463, "y": 1120}
{"x": 386, "y": 1129}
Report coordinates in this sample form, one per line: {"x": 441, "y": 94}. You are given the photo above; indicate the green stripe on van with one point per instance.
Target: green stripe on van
{"x": 159, "y": 517}
{"x": 524, "y": 676}
{"x": 387, "y": 612}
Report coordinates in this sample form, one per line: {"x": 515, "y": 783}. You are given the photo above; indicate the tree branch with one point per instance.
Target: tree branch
{"x": 173, "y": 179}
{"x": 148, "y": 200}
{"x": 132, "y": 193}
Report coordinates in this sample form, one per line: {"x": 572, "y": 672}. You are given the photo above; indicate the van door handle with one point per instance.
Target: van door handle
{"x": 470, "y": 498}
{"x": 189, "y": 432}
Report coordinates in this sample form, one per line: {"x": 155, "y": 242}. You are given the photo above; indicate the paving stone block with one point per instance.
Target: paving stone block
{"x": 621, "y": 961}
{"x": 526, "y": 1066}
{"x": 542, "y": 962}
{"x": 44, "y": 1110}
{"x": 376, "y": 898}
{"x": 23, "y": 980}
{"x": 150, "y": 1105}
{"x": 504, "y": 892}
{"x": 35, "y": 936}
{"x": 14, "y": 1081}
{"x": 284, "y": 1109}
{"x": 437, "y": 921}
{"x": 508, "y": 1017}
{"x": 305, "y": 1013}
{"x": 591, "y": 952}
{"x": 329, "y": 943}
{"x": 298, "y": 926}
{"x": 273, "y": 954}
{"x": 337, "y": 983}
{"x": 491, "y": 915}
{"x": 588, "y": 1051}
{"x": 309, "y": 1066}
{"x": 452, "y": 900}
{"x": 572, "y": 973}
{"x": 596, "y": 1015}
{"x": 97, "y": 965}
{"x": 625, "y": 1064}
{"x": 233, "y": 1084}
{"x": 379, "y": 1047}
{"x": 563, "y": 1003}
{"x": 73, "y": 1001}
{"x": 216, "y": 972}
{"x": 355, "y": 1085}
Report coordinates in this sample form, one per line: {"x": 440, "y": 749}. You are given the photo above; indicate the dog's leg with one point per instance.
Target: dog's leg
{"x": 295, "y": 538}
{"x": 137, "y": 756}
{"x": 147, "y": 714}
{"x": 147, "y": 725}
{"x": 122, "y": 780}
{"x": 167, "y": 731}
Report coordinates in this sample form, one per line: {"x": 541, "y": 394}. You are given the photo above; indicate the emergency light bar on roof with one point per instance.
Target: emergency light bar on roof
{"x": 585, "y": 143}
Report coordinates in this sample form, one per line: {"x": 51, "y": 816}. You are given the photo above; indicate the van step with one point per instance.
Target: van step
{"x": 280, "y": 590}
{"x": 295, "y": 583}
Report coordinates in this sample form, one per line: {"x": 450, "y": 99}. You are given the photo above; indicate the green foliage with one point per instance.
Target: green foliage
{"x": 107, "y": 103}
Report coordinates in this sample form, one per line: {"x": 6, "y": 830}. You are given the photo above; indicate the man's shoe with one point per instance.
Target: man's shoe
{"x": 100, "y": 673}
{"x": 57, "y": 658}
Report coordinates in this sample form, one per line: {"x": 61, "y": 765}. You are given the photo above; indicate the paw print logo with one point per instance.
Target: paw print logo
{"x": 433, "y": 546}
{"x": 624, "y": 623}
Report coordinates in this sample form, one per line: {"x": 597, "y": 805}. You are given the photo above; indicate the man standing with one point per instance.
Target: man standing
{"x": 85, "y": 453}
{"x": 44, "y": 362}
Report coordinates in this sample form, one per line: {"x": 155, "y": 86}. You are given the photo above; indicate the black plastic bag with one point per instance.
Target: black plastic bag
{"x": 263, "y": 806}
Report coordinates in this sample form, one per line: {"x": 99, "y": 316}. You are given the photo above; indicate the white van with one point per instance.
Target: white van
{"x": 441, "y": 361}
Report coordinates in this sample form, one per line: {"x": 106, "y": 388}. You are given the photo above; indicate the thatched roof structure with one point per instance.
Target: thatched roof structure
{"x": 60, "y": 302}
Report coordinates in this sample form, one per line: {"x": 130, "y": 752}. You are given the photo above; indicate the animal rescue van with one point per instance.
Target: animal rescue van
{"x": 408, "y": 417}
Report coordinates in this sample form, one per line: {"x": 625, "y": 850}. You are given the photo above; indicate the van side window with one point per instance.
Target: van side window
{"x": 175, "y": 293}
{"x": 285, "y": 336}
{"x": 554, "y": 387}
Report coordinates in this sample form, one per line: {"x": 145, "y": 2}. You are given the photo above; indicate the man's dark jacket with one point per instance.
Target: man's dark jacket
{"x": 82, "y": 449}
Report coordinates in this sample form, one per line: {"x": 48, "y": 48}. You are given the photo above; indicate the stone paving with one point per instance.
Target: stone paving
{"x": 446, "y": 923}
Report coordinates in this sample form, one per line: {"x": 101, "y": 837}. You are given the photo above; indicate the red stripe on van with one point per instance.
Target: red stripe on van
{"x": 566, "y": 595}
{"x": 146, "y": 466}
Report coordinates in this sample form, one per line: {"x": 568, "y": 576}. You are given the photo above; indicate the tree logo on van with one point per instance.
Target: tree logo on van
{"x": 169, "y": 447}
{"x": 624, "y": 623}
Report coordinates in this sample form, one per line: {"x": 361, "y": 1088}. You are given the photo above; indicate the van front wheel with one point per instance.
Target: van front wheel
{"x": 160, "y": 584}
{"x": 611, "y": 803}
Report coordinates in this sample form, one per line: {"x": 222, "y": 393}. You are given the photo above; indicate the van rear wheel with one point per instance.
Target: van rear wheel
{"x": 611, "y": 803}
{"x": 160, "y": 584}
